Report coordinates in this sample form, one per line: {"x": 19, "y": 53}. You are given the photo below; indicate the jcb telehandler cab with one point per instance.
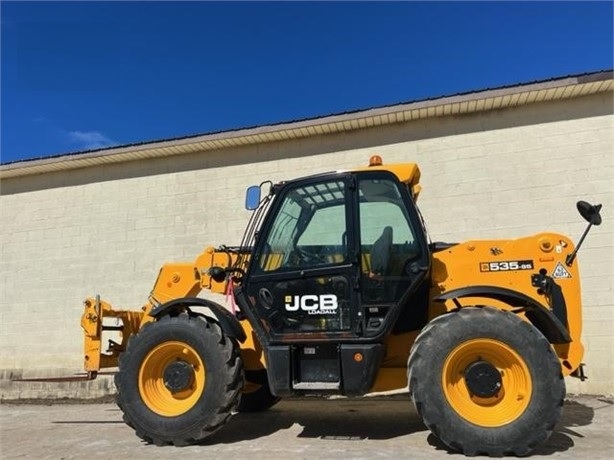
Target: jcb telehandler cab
{"x": 336, "y": 289}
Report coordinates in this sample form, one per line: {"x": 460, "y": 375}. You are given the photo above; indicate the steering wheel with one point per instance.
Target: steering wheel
{"x": 307, "y": 257}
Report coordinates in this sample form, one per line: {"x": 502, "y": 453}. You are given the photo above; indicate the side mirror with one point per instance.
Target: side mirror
{"x": 252, "y": 197}
{"x": 589, "y": 212}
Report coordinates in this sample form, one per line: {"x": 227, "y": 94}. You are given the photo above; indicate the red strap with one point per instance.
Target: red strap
{"x": 230, "y": 294}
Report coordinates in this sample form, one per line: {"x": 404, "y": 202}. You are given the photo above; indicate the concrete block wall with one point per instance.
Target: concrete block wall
{"x": 106, "y": 230}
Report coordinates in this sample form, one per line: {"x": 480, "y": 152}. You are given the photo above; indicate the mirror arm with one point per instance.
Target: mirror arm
{"x": 571, "y": 257}
{"x": 591, "y": 214}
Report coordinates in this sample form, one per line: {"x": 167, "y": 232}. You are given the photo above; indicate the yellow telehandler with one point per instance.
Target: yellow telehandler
{"x": 336, "y": 289}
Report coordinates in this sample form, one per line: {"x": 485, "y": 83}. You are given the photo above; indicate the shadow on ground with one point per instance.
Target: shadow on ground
{"x": 575, "y": 414}
{"x": 360, "y": 419}
{"x": 372, "y": 419}
{"x": 342, "y": 419}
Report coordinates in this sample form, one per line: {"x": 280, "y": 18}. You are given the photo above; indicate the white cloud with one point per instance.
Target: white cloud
{"x": 90, "y": 139}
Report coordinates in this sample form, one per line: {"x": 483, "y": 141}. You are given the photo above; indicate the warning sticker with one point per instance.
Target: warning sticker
{"x": 560, "y": 271}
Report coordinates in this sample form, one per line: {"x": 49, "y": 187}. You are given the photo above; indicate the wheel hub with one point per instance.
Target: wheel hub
{"x": 483, "y": 379}
{"x": 178, "y": 376}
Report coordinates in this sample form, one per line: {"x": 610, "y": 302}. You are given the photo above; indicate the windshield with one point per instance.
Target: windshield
{"x": 310, "y": 226}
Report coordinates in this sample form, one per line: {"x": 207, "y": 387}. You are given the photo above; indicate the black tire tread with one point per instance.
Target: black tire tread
{"x": 421, "y": 362}
{"x": 232, "y": 375}
{"x": 261, "y": 399}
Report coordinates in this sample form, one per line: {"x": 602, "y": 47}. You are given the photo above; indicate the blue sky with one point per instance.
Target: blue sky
{"x": 86, "y": 75}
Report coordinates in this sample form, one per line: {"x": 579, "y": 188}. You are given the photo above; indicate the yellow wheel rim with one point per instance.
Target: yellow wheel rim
{"x": 509, "y": 402}
{"x": 250, "y": 387}
{"x": 154, "y": 378}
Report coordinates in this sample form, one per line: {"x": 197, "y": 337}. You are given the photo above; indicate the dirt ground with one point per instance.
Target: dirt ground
{"x": 369, "y": 428}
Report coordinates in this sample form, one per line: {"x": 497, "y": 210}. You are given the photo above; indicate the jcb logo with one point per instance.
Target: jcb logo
{"x": 312, "y": 304}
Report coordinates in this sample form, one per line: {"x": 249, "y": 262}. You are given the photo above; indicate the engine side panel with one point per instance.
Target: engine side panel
{"x": 514, "y": 265}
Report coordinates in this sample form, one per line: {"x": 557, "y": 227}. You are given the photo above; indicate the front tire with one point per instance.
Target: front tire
{"x": 486, "y": 382}
{"x": 179, "y": 380}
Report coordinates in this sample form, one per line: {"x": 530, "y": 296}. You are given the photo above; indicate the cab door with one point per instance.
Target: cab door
{"x": 394, "y": 257}
{"x": 300, "y": 281}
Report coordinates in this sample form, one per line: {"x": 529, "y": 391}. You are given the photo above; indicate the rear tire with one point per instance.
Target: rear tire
{"x": 486, "y": 382}
{"x": 179, "y": 380}
{"x": 256, "y": 395}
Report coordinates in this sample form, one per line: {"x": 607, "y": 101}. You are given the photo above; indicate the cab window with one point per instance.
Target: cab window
{"x": 309, "y": 229}
{"x": 387, "y": 240}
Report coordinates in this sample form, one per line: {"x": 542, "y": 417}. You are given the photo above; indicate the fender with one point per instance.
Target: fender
{"x": 539, "y": 315}
{"x": 229, "y": 324}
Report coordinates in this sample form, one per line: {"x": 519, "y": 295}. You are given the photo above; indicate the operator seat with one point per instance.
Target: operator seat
{"x": 381, "y": 253}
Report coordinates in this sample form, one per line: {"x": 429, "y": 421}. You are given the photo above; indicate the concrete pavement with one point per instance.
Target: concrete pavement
{"x": 369, "y": 428}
